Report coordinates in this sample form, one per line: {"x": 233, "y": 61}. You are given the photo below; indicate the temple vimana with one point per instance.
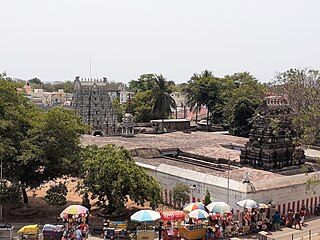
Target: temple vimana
{"x": 271, "y": 139}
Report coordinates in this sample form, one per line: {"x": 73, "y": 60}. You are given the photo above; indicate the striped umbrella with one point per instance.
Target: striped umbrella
{"x": 145, "y": 216}
{"x": 199, "y": 214}
{"x": 74, "y": 210}
{"x": 194, "y": 206}
{"x": 219, "y": 207}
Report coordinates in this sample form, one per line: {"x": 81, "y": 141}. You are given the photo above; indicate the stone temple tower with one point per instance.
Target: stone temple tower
{"x": 271, "y": 145}
{"x": 92, "y": 101}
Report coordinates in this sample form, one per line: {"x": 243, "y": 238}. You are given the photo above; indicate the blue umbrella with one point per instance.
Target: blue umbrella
{"x": 219, "y": 207}
{"x": 145, "y": 216}
{"x": 199, "y": 214}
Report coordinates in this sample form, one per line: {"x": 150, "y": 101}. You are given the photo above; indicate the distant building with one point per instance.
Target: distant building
{"x": 92, "y": 100}
{"x": 179, "y": 98}
{"x": 45, "y": 100}
{"x": 171, "y": 124}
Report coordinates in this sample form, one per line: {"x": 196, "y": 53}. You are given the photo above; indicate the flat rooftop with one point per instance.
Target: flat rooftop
{"x": 208, "y": 144}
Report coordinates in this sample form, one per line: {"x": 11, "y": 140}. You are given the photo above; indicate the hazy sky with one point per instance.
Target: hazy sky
{"x": 54, "y": 40}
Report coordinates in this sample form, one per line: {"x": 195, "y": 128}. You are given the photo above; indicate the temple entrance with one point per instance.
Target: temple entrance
{"x": 97, "y": 133}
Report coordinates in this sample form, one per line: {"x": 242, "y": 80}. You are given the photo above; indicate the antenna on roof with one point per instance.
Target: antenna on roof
{"x": 90, "y": 69}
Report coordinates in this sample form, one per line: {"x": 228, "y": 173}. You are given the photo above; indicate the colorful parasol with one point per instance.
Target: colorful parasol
{"x": 194, "y": 206}
{"x": 219, "y": 207}
{"x": 248, "y": 203}
{"x": 74, "y": 210}
{"x": 263, "y": 205}
{"x": 145, "y": 216}
{"x": 199, "y": 214}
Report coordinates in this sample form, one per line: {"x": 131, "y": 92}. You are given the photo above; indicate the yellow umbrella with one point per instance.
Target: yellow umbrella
{"x": 263, "y": 205}
{"x": 74, "y": 209}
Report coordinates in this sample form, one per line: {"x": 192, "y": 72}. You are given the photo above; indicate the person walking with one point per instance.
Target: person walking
{"x": 297, "y": 220}
{"x": 289, "y": 221}
{"x": 78, "y": 234}
{"x": 276, "y": 220}
{"x": 302, "y": 214}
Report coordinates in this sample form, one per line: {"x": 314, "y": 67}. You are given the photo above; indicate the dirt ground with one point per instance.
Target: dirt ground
{"x": 45, "y": 213}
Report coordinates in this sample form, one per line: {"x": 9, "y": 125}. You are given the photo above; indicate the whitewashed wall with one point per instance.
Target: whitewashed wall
{"x": 287, "y": 190}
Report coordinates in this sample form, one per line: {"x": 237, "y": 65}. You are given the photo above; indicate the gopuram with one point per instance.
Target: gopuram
{"x": 271, "y": 140}
{"x": 92, "y": 102}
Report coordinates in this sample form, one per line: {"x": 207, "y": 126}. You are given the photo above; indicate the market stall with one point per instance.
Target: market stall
{"x": 197, "y": 230}
{"x": 172, "y": 220}
{"x": 75, "y": 217}
{"x": 143, "y": 217}
{"x": 29, "y": 232}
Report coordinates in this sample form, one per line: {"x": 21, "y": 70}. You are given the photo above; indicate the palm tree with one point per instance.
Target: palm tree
{"x": 201, "y": 92}
{"x": 162, "y": 101}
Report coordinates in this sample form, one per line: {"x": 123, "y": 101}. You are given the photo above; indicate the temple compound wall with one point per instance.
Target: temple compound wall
{"x": 287, "y": 192}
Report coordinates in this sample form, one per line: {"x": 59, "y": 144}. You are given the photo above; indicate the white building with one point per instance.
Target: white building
{"x": 286, "y": 192}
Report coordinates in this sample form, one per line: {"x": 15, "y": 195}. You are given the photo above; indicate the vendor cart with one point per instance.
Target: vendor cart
{"x": 29, "y": 232}
{"x": 52, "y": 232}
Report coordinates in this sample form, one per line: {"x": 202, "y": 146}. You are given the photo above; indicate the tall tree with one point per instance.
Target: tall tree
{"x": 144, "y": 83}
{"x": 205, "y": 90}
{"x": 111, "y": 175}
{"x": 35, "y": 81}
{"x": 142, "y": 106}
{"x": 162, "y": 101}
{"x": 36, "y": 146}
{"x": 302, "y": 88}
{"x": 242, "y": 94}
{"x": 181, "y": 193}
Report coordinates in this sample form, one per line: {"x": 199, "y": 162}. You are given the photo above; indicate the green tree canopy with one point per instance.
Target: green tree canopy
{"x": 242, "y": 94}
{"x": 10, "y": 194}
{"x": 142, "y": 106}
{"x": 120, "y": 109}
{"x": 302, "y": 88}
{"x": 207, "y": 198}
{"x": 111, "y": 175}
{"x": 205, "y": 90}
{"x": 35, "y": 81}
{"x": 162, "y": 101}
{"x": 56, "y": 195}
{"x": 180, "y": 193}
{"x": 36, "y": 146}
{"x": 144, "y": 83}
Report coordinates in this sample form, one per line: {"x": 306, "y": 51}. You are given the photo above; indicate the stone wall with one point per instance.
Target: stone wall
{"x": 285, "y": 192}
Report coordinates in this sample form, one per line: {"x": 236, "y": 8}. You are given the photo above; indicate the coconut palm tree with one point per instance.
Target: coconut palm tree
{"x": 162, "y": 101}
{"x": 203, "y": 91}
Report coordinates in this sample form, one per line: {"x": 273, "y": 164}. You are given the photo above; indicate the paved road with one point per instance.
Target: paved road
{"x": 284, "y": 234}
{"x": 312, "y": 225}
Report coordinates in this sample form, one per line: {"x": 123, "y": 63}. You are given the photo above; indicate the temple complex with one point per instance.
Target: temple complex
{"x": 92, "y": 101}
{"x": 271, "y": 139}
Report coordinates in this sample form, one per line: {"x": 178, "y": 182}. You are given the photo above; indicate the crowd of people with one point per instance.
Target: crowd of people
{"x": 244, "y": 222}
{"x": 296, "y": 219}
{"x": 76, "y": 227}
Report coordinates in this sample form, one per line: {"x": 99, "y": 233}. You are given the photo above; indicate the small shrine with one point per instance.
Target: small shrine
{"x": 127, "y": 125}
{"x": 271, "y": 139}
